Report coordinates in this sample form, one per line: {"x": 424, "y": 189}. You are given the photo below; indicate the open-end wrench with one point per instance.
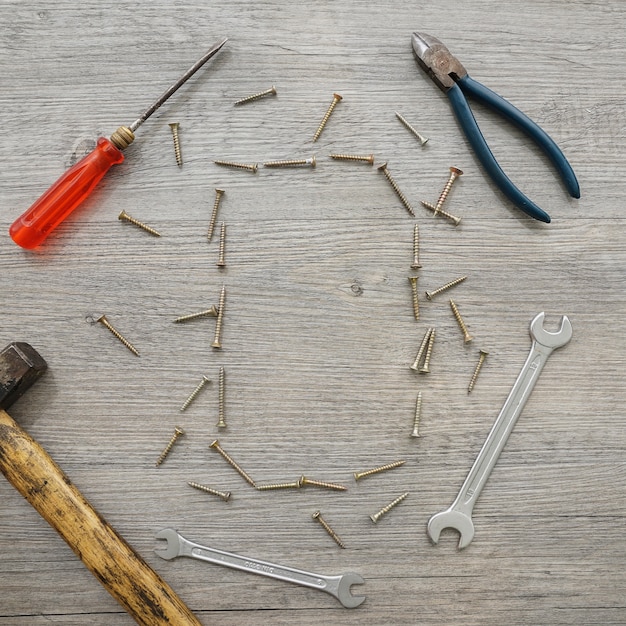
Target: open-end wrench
{"x": 338, "y": 586}
{"x": 459, "y": 515}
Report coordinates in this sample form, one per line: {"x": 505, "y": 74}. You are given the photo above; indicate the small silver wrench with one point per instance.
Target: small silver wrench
{"x": 459, "y": 515}
{"x": 337, "y": 586}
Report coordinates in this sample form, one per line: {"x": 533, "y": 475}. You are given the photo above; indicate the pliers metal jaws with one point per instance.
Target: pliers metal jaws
{"x": 449, "y": 75}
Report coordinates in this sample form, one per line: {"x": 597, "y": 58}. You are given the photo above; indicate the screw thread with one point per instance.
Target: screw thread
{"x": 422, "y": 348}
{"x": 177, "y": 433}
{"x": 225, "y": 495}
{"x": 416, "y": 304}
{"x": 376, "y": 516}
{"x": 329, "y": 111}
{"x": 295, "y": 485}
{"x": 317, "y": 516}
{"x": 218, "y": 197}
{"x": 453, "y": 283}
{"x": 105, "y": 322}
{"x": 221, "y": 422}
{"x": 242, "y": 166}
{"x": 466, "y": 335}
{"x": 131, "y": 220}
{"x": 425, "y": 369}
{"x": 194, "y": 393}
{"x": 216, "y": 446}
{"x": 256, "y": 96}
{"x": 176, "y": 137}
{"x": 318, "y": 483}
{"x": 416, "y": 248}
{"x": 481, "y": 360}
{"x": 217, "y": 341}
{"x": 432, "y": 207}
{"x": 423, "y": 140}
{"x": 418, "y": 415}
{"x": 291, "y": 163}
{"x": 221, "y": 261}
{"x": 354, "y": 157}
{"x": 394, "y": 186}
{"x": 455, "y": 172}
{"x": 376, "y": 470}
{"x": 212, "y": 312}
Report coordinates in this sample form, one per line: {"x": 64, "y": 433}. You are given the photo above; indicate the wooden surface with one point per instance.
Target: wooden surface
{"x": 318, "y": 331}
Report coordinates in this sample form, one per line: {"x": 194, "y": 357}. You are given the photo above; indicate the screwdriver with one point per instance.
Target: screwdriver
{"x": 77, "y": 183}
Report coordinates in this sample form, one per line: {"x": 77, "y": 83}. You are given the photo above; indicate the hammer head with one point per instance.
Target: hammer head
{"x": 20, "y": 366}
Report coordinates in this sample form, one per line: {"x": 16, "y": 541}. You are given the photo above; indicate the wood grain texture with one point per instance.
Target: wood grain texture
{"x": 318, "y": 329}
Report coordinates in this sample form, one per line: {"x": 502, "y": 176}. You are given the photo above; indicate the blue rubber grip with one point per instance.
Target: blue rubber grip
{"x": 485, "y": 96}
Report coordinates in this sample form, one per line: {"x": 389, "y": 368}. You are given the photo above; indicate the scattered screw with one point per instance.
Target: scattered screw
{"x": 432, "y": 207}
{"x": 195, "y": 392}
{"x": 131, "y": 220}
{"x": 218, "y": 197}
{"x": 416, "y": 248}
{"x": 318, "y": 483}
{"x": 455, "y": 172}
{"x": 178, "y": 432}
{"x": 295, "y": 485}
{"x": 242, "y": 166}
{"x": 212, "y": 312}
{"x": 221, "y": 422}
{"x": 353, "y": 157}
{"x": 221, "y": 262}
{"x": 453, "y": 283}
{"x": 481, "y": 359}
{"x": 175, "y": 135}
{"x": 105, "y": 322}
{"x": 318, "y": 517}
{"x": 225, "y": 495}
{"x": 425, "y": 369}
{"x": 217, "y": 341}
{"x": 416, "y": 304}
{"x": 268, "y": 92}
{"x": 423, "y": 140}
{"x": 466, "y": 336}
{"x": 376, "y": 516}
{"x": 292, "y": 163}
{"x": 216, "y": 446}
{"x": 376, "y": 470}
{"x": 383, "y": 168}
{"x": 422, "y": 348}
{"x": 418, "y": 415}
{"x": 336, "y": 98}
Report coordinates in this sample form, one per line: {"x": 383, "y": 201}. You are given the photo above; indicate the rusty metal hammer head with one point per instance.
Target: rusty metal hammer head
{"x": 20, "y": 366}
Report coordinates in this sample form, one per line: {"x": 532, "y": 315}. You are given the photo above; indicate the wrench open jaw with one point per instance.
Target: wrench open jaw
{"x": 452, "y": 518}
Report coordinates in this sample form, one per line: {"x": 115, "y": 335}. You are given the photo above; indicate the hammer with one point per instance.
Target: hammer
{"x": 31, "y": 470}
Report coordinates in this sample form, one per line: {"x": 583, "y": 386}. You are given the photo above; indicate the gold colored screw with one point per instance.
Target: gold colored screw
{"x": 295, "y": 485}
{"x": 221, "y": 422}
{"x": 353, "y": 157}
{"x": 105, "y": 322}
{"x": 175, "y": 135}
{"x": 455, "y": 172}
{"x": 422, "y": 348}
{"x": 217, "y": 340}
{"x": 212, "y": 312}
{"x": 407, "y": 205}
{"x": 376, "y": 516}
{"x": 376, "y": 470}
{"x": 221, "y": 262}
{"x": 178, "y": 432}
{"x": 218, "y": 197}
{"x": 423, "y": 140}
{"x": 241, "y": 166}
{"x": 481, "y": 359}
{"x": 466, "y": 336}
{"x": 292, "y": 163}
{"x": 416, "y": 304}
{"x": 195, "y": 392}
{"x": 268, "y": 92}
{"x": 453, "y": 283}
{"x": 318, "y": 483}
{"x": 225, "y": 495}
{"x": 318, "y": 517}
{"x": 418, "y": 415}
{"x": 336, "y": 99}
{"x": 432, "y": 207}
{"x": 416, "y": 248}
{"x": 216, "y": 446}
{"x": 131, "y": 220}
{"x": 425, "y": 369}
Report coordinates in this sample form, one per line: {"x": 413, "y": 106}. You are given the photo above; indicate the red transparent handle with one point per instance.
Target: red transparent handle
{"x": 34, "y": 226}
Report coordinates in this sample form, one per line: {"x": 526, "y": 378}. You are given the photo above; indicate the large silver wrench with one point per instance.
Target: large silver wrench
{"x": 459, "y": 515}
{"x": 337, "y": 586}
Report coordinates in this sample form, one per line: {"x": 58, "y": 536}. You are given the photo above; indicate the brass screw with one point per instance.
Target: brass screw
{"x": 353, "y": 157}
{"x": 221, "y": 422}
{"x": 481, "y": 359}
{"x": 131, "y": 220}
{"x": 416, "y": 248}
{"x": 416, "y": 304}
{"x": 418, "y": 415}
{"x": 212, "y": 312}
{"x": 336, "y": 98}
{"x": 241, "y": 166}
{"x": 376, "y": 516}
{"x": 432, "y": 207}
{"x": 466, "y": 336}
{"x": 425, "y": 369}
{"x": 292, "y": 163}
{"x": 221, "y": 262}
{"x": 295, "y": 485}
{"x": 105, "y": 322}
{"x": 422, "y": 348}
{"x": 453, "y": 283}
{"x": 178, "y": 432}
{"x": 175, "y": 135}
{"x": 268, "y": 92}
{"x": 218, "y": 197}
{"x": 376, "y": 470}
{"x": 195, "y": 392}
{"x": 217, "y": 340}
{"x": 455, "y": 172}
{"x": 318, "y": 517}
{"x": 423, "y": 140}
{"x": 216, "y": 446}
{"x": 407, "y": 205}
{"x": 318, "y": 483}
{"x": 225, "y": 495}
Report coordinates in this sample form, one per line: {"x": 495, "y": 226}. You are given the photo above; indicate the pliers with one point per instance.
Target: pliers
{"x": 452, "y": 78}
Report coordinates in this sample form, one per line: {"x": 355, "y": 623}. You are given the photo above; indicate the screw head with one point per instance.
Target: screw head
{"x": 456, "y": 171}
{"x": 383, "y": 166}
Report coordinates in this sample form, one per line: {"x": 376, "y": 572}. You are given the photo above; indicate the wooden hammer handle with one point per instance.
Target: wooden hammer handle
{"x": 124, "y": 574}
